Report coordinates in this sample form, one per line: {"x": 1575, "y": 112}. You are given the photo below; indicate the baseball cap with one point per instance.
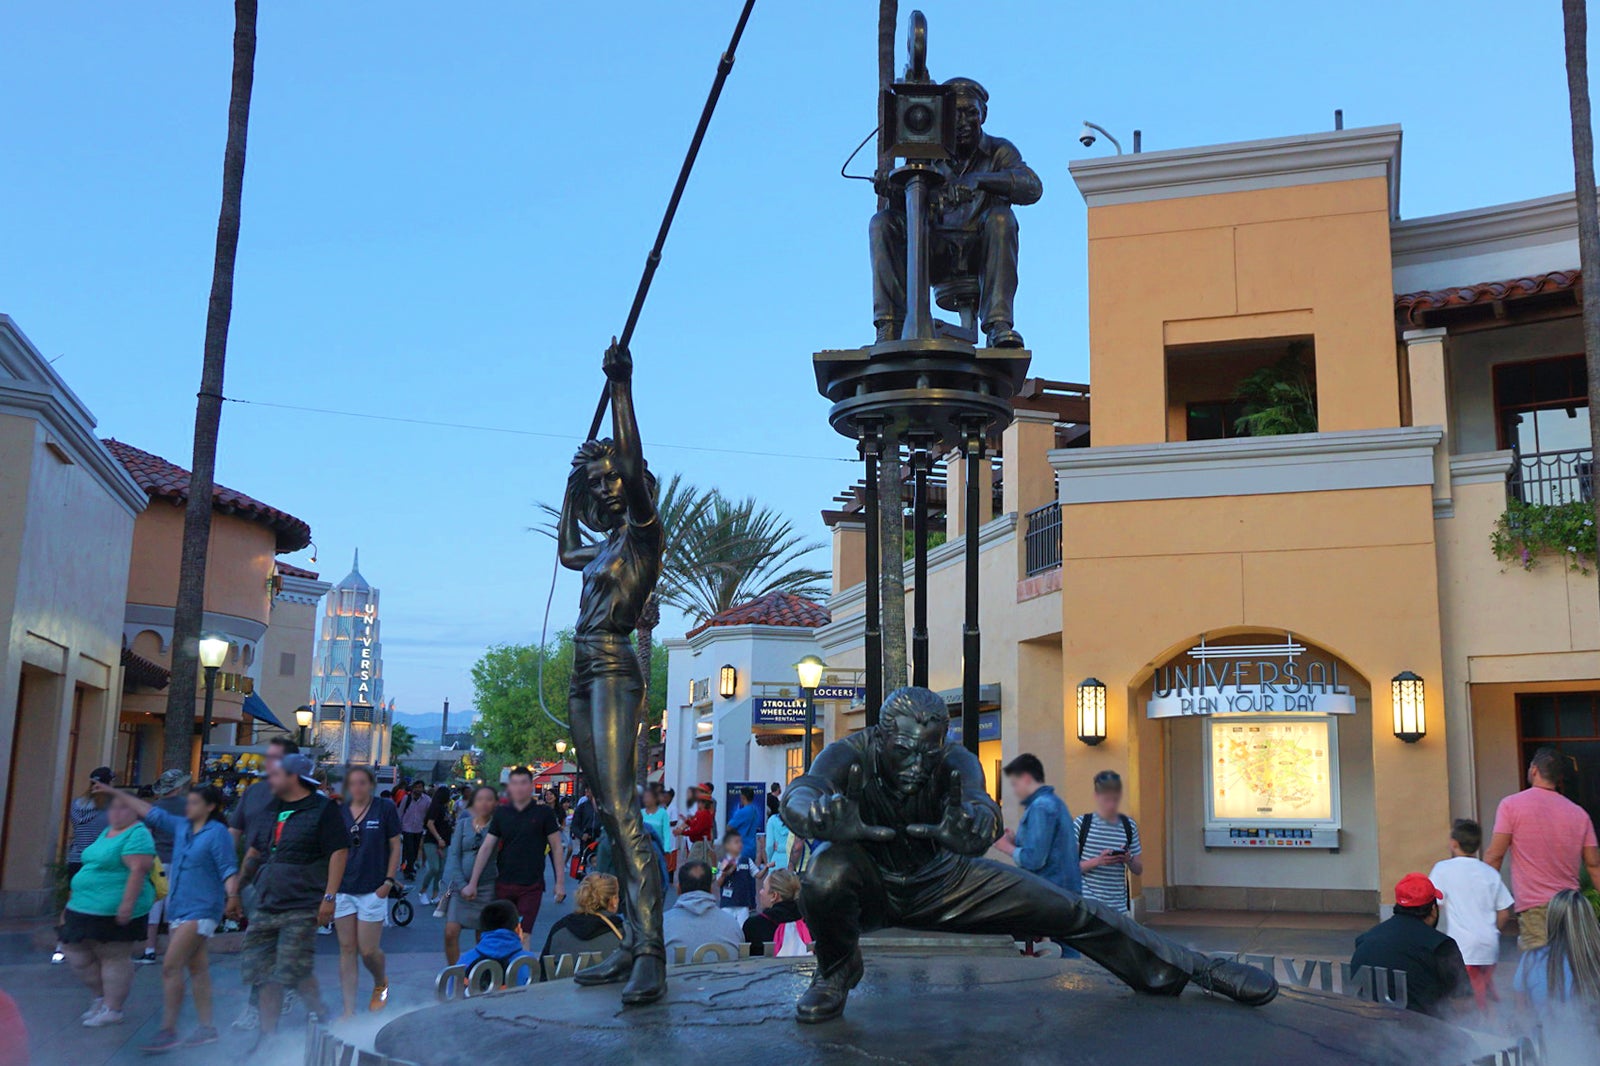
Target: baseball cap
{"x": 171, "y": 781}
{"x": 101, "y": 774}
{"x": 1415, "y": 890}
{"x": 302, "y": 767}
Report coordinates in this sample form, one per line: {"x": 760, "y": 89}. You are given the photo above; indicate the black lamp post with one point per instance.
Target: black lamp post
{"x": 213, "y": 653}
{"x": 810, "y": 670}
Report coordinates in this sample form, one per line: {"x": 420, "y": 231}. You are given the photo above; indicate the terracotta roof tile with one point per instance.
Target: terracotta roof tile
{"x": 1413, "y": 304}
{"x": 290, "y": 570}
{"x": 773, "y": 609}
{"x": 143, "y": 673}
{"x": 164, "y": 480}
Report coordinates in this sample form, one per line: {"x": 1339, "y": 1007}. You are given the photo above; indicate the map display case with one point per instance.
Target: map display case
{"x": 1272, "y": 782}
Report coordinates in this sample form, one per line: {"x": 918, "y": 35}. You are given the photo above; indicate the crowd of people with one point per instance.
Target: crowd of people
{"x": 1445, "y": 933}
{"x": 292, "y": 860}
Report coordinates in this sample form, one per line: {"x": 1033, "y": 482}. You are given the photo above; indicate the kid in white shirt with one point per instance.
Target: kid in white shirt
{"x": 1476, "y": 906}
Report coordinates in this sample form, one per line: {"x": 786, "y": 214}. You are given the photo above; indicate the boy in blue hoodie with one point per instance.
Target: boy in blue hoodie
{"x": 499, "y": 939}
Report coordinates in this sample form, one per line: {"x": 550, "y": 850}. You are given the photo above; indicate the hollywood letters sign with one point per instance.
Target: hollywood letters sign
{"x": 1213, "y": 683}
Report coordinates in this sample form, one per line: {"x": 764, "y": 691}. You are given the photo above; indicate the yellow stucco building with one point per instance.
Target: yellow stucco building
{"x": 1248, "y": 604}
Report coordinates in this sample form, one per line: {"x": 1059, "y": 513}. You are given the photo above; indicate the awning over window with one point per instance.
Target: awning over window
{"x": 257, "y": 708}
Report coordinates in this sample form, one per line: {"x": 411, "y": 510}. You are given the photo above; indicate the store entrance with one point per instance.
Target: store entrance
{"x": 1570, "y": 723}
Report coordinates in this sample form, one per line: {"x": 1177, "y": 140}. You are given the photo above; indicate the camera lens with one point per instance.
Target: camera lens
{"x": 919, "y": 118}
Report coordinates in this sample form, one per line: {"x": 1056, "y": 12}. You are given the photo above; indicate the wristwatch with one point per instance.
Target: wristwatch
{"x": 329, "y": 899}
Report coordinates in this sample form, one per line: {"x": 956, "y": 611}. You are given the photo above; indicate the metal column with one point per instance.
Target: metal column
{"x": 971, "y": 640}
{"x": 871, "y": 447}
{"x": 921, "y": 460}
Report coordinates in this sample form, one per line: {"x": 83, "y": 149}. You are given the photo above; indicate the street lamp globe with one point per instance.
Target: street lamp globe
{"x": 213, "y": 652}
{"x": 810, "y": 670}
{"x": 561, "y": 747}
{"x": 302, "y": 717}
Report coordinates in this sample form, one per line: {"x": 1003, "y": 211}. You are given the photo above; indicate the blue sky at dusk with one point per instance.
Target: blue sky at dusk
{"x": 446, "y": 208}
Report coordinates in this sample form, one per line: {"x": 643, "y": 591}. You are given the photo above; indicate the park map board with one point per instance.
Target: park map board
{"x": 1272, "y": 771}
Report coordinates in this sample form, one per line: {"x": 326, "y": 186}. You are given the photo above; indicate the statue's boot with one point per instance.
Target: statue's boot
{"x": 1239, "y": 981}
{"x": 825, "y": 999}
{"x": 1001, "y": 335}
{"x": 618, "y": 966}
{"x": 648, "y": 981}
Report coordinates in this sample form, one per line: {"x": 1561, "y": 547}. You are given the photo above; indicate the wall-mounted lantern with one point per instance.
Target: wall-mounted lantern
{"x": 1410, "y": 708}
{"x": 1091, "y": 711}
{"x": 727, "y": 682}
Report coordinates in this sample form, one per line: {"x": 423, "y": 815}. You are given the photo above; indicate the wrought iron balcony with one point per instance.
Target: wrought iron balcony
{"x": 1550, "y": 478}
{"x": 1042, "y": 539}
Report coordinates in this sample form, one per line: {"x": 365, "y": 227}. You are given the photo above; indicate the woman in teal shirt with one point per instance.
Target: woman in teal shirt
{"x": 111, "y": 896}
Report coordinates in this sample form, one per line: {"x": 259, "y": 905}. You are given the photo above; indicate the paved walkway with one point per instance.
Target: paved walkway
{"x": 51, "y": 998}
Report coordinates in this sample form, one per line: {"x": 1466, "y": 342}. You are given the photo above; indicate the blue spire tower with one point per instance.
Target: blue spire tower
{"x": 347, "y": 676}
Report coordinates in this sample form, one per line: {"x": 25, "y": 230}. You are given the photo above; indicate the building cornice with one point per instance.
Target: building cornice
{"x": 1481, "y": 468}
{"x": 303, "y": 590}
{"x": 1545, "y": 220}
{"x": 31, "y": 388}
{"x": 847, "y": 633}
{"x": 1247, "y": 466}
{"x": 946, "y": 554}
{"x": 1244, "y": 166}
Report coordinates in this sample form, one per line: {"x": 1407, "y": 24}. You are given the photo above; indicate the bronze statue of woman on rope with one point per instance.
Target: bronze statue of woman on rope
{"x": 611, "y": 492}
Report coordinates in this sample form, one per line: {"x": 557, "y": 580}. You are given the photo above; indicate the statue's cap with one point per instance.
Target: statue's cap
{"x": 969, "y": 87}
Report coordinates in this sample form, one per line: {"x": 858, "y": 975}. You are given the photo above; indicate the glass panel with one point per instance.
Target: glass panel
{"x": 1576, "y": 715}
{"x": 1538, "y": 715}
{"x": 1559, "y": 429}
{"x": 1584, "y": 788}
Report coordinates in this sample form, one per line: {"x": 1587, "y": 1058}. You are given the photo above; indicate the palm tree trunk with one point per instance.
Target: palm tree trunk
{"x": 1575, "y": 23}
{"x": 891, "y": 511}
{"x": 644, "y": 648}
{"x": 177, "y": 749}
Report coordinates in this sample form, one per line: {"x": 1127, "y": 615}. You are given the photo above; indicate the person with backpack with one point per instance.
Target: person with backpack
{"x": 202, "y": 884}
{"x": 1108, "y": 845}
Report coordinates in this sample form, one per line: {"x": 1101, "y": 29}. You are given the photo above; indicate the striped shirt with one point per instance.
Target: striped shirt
{"x": 1109, "y": 883}
{"x": 88, "y": 822}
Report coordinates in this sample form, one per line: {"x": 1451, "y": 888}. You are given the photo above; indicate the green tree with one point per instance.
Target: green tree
{"x": 1279, "y": 399}
{"x": 188, "y": 614}
{"x": 511, "y": 727}
{"x": 734, "y": 551}
{"x": 1575, "y": 30}
{"x": 402, "y": 742}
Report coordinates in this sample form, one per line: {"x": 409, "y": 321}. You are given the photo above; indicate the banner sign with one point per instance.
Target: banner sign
{"x": 774, "y": 710}
{"x": 988, "y": 728}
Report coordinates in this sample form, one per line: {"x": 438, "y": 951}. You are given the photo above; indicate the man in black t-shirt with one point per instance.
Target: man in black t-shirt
{"x": 518, "y": 834}
{"x": 296, "y": 860}
{"x": 1411, "y": 942}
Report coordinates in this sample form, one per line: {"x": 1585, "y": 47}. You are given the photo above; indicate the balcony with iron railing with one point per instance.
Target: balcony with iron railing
{"x": 1549, "y": 479}
{"x": 1042, "y": 538}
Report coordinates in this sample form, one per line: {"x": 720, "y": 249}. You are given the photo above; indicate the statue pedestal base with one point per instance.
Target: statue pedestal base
{"x": 920, "y": 1008}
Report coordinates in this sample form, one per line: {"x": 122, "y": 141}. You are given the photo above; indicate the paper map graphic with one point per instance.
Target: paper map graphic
{"x": 1271, "y": 771}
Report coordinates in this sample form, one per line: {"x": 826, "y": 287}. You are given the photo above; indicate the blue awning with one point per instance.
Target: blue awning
{"x": 257, "y": 708}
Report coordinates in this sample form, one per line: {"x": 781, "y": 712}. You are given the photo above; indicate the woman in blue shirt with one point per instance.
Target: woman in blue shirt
{"x": 1567, "y": 968}
{"x": 202, "y": 884}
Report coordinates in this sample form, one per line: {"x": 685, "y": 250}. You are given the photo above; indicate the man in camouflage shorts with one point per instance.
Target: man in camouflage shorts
{"x": 296, "y": 861}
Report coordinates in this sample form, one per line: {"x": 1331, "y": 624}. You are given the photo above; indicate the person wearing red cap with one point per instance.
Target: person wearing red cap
{"x": 1410, "y": 942}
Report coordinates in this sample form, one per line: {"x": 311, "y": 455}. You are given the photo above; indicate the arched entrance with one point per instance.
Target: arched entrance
{"x": 1266, "y": 752}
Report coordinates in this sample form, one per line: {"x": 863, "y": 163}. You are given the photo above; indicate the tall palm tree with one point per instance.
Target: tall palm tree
{"x": 1575, "y": 25}
{"x": 177, "y": 748}
{"x": 402, "y": 742}
{"x": 734, "y": 551}
{"x": 891, "y": 530}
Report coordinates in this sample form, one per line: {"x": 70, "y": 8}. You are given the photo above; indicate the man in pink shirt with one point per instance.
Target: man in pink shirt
{"x": 1548, "y": 837}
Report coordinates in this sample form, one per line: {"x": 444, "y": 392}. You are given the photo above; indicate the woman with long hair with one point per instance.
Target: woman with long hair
{"x": 593, "y": 927}
{"x": 470, "y": 830}
{"x": 1567, "y": 968}
{"x": 612, "y": 493}
{"x": 363, "y": 900}
{"x": 202, "y": 887}
{"x": 436, "y": 827}
{"x": 778, "y": 921}
{"x": 107, "y": 910}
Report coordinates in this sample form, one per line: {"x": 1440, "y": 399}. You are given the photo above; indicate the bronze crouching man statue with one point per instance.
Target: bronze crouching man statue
{"x": 904, "y": 817}
{"x": 973, "y": 229}
{"x": 612, "y": 493}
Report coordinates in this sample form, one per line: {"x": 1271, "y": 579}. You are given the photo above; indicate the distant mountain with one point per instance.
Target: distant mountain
{"x": 426, "y": 726}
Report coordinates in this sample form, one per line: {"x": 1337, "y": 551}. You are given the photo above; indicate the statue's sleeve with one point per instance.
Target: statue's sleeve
{"x": 1024, "y": 185}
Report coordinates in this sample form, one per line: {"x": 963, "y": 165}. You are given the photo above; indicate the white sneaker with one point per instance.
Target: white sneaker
{"x": 290, "y": 998}
{"x": 324, "y": 930}
{"x": 57, "y": 957}
{"x": 103, "y": 1016}
{"x": 249, "y": 1018}
{"x": 96, "y": 1005}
